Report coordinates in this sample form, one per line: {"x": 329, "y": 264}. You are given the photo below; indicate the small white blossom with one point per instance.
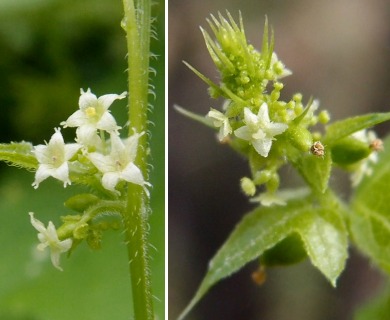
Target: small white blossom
{"x": 49, "y": 238}
{"x": 53, "y": 159}
{"x": 220, "y": 121}
{"x": 268, "y": 199}
{"x": 259, "y": 130}
{"x": 280, "y": 197}
{"x": 363, "y": 167}
{"x": 119, "y": 164}
{"x": 93, "y": 115}
{"x": 279, "y": 67}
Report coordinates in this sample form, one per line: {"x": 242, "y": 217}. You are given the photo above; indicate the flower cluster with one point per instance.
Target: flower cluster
{"x": 92, "y": 160}
{"x": 263, "y": 127}
{"x": 253, "y": 119}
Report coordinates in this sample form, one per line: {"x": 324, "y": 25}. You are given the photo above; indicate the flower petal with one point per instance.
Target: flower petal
{"x": 70, "y": 150}
{"x": 262, "y": 146}
{"x": 250, "y": 118}
{"x": 263, "y": 113}
{"x": 110, "y": 180}
{"x": 133, "y": 174}
{"x": 75, "y": 120}
{"x": 107, "y": 123}
{"x": 102, "y": 163}
{"x": 273, "y": 129}
{"x": 131, "y": 144}
{"x": 243, "y": 133}
{"x": 41, "y": 174}
{"x": 38, "y": 225}
{"x": 106, "y": 100}
{"x": 87, "y": 99}
{"x": 62, "y": 173}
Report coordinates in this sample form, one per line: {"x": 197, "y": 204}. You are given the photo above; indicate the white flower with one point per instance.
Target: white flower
{"x": 279, "y": 67}
{"x": 268, "y": 199}
{"x": 363, "y": 167}
{"x": 119, "y": 164}
{"x": 220, "y": 121}
{"x": 259, "y": 130}
{"x": 93, "y": 115}
{"x": 49, "y": 238}
{"x": 53, "y": 159}
{"x": 280, "y": 197}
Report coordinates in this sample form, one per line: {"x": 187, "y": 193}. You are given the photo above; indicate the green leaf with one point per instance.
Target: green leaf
{"x": 319, "y": 227}
{"x": 370, "y": 221}
{"x": 19, "y": 155}
{"x": 344, "y": 128}
{"x": 314, "y": 169}
{"x": 288, "y": 251}
{"x": 379, "y": 308}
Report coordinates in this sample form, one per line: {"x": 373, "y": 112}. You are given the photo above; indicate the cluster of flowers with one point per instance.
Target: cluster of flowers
{"x": 109, "y": 161}
{"x": 255, "y": 121}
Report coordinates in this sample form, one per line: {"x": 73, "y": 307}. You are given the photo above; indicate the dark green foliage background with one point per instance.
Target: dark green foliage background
{"x": 48, "y": 51}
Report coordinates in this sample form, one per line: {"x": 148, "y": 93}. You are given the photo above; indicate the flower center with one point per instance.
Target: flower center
{"x": 118, "y": 165}
{"x": 90, "y": 111}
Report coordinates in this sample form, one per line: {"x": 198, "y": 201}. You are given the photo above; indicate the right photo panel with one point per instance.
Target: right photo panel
{"x": 278, "y": 152}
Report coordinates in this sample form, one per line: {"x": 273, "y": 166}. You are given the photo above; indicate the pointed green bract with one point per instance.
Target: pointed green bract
{"x": 370, "y": 221}
{"x": 319, "y": 226}
{"x": 193, "y": 116}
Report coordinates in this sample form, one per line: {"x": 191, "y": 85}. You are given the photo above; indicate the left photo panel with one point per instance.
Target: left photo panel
{"x": 82, "y": 152}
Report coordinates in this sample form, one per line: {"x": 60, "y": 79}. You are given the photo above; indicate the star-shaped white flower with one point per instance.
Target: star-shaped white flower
{"x": 53, "y": 159}
{"x": 119, "y": 164}
{"x": 93, "y": 115}
{"x": 220, "y": 121}
{"x": 49, "y": 238}
{"x": 259, "y": 130}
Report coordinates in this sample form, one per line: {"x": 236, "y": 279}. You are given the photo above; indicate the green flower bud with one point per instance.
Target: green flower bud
{"x": 273, "y": 183}
{"x": 81, "y": 202}
{"x": 297, "y": 97}
{"x": 248, "y": 186}
{"x": 349, "y": 150}
{"x": 299, "y": 137}
{"x": 94, "y": 239}
{"x": 263, "y": 176}
{"x": 324, "y": 117}
{"x": 81, "y": 232}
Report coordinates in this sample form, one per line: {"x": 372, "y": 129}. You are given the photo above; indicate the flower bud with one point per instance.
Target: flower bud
{"x": 248, "y": 186}
{"x": 81, "y": 232}
{"x": 299, "y": 137}
{"x": 349, "y": 150}
{"x": 81, "y": 202}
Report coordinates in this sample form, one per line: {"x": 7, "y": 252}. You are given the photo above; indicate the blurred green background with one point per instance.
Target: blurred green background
{"x": 339, "y": 53}
{"x": 49, "y": 49}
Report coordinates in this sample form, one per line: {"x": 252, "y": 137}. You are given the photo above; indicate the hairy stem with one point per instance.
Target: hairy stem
{"x": 137, "y": 26}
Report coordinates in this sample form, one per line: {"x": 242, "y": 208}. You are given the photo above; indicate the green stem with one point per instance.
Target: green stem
{"x": 137, "y": 26}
